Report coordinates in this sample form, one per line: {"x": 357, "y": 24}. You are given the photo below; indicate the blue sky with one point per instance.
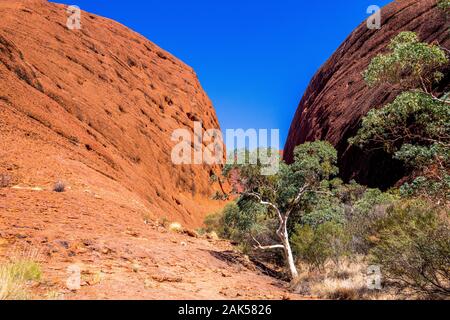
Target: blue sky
{"x": 254, "y": 58}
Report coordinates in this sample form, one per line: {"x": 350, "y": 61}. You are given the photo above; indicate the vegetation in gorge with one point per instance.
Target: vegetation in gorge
{"x": 415, "y": 127}
{"x": 318, "y": 220}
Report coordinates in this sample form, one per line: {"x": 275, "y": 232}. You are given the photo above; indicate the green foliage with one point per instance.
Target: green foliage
{"x": 329, "y": 219}
{"x": 26, "y": 269}
{"x": 332, "y": 220}
{"x": 444, "y": 4}
{"x": 313, "y": 167}
{"x": 362, "y": 216}
{"x": 269, "y": 205}
{"x": 414, "y": 248}
{"x": 316, "y": 246}
{"x": 14, "y": 277}
{"x": 238, "y": 222}
{"x": 372, "y": 198}
{"x": 214, "y": 222}
{"x": 410, "y": 62}
{"x": 414, "y": 128}
{"x": 412, "y": 118}
{"x": 438, "y": 189}
{"x": 228, "y": 222}
{"x": 325, "y": 209}
{"x": 314, "y": 163}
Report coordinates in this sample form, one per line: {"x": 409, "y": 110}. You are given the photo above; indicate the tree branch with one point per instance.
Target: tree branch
{"x": 266, "y": 203}
{"x": 296, "y": 200}
{"x": 259, "y": 246}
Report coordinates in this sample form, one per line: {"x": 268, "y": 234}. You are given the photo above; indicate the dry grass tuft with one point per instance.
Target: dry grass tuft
{"x": 176, "y": 227}
{"x": 17, "y": 273}
{"x": 348, "y": 281}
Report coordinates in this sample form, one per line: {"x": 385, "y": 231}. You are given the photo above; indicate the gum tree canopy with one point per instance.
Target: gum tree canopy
{"x": 286, "y": 194}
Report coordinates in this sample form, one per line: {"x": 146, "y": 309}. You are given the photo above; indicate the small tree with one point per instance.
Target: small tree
{"x": 288, "y": 192}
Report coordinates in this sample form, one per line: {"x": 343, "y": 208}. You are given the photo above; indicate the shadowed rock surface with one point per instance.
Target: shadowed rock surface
{"x": 337, "y": 96}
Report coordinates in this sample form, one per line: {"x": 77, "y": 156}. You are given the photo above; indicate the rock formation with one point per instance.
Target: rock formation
{"x": 337, "y": 96}
{"x": 96, "y": 108}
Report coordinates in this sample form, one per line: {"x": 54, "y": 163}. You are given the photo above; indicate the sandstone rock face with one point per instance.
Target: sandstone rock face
{"x": 337, "y": 97}
{"x": 96, "y": 108}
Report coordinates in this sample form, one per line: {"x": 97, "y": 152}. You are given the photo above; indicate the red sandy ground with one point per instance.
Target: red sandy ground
{"x": 120, "y": 255}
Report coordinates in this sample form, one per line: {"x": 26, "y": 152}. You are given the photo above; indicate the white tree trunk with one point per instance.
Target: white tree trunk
{"x": 283, "y": 234}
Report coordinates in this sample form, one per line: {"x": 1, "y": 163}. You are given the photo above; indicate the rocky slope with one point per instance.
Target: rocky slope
{"x": 121, "y": 254}
{"x": 337, "y": 97}
{"x": 95, "y": 108}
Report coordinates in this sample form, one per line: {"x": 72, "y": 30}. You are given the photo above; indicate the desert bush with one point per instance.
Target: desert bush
{"x": 414, "y": 248}
{"x": 213, "y": 222}
{"x": 316, "y": 246}
{"x": 324, "y": 209}
{"x": 235, "y": 223}
{"x": 5, "y": 180}
{"x": 176, "y": 227}
{"x": 59, "y": 186}
{"x": 362, "y": 216}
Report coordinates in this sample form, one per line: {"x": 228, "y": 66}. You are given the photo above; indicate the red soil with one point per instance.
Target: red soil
{"x": 121, "y": 256}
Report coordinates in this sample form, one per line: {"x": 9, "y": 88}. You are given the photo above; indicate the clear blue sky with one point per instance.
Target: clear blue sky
{"x": 253, "y": 58}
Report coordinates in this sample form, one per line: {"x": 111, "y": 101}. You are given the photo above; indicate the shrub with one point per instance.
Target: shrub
{"x": 5, "y": 180}
{"x": 214, "y": 222}
{"x": 410, "y": 62}
{"x": 325, "y": 209}
{"x": 362, "y": 216}
{"x": 176, "y": 227}
{"x": 59, "y": 186}
{"x": 444, "y": 4}
{"x": 414, "y": 248}
{"x": 232, "y": 222}
{"x": 316, "y": 246}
